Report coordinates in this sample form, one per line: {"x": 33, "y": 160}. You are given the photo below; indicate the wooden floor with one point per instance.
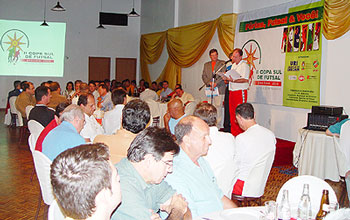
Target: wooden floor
{"x": 19, "y": 196}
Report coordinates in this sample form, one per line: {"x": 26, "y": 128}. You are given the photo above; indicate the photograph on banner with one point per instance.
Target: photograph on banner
{"x": 275, "y": 47}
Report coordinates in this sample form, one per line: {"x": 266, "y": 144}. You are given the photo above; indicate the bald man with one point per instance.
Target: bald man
{"x": 174, "y": 114}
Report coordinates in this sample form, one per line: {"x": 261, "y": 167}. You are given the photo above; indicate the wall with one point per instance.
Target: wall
{"x": 283, "y": 121}
{"x": 82, "y": 37}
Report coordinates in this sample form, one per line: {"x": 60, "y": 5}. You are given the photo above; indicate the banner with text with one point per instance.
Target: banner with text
{"x": 282, "y": 46}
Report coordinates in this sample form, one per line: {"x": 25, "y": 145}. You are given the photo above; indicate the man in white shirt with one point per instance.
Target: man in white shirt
{"x": 148, "y": 93}
{"x": 238, "y": 88}
{"x": 111, "y": 121}
{"x": 251, "y": 146}
{"x": 93, "y": 91}
{"x": 221, "y": 151}
{"x": 182, "y": 95}
{"x": 91, "y": 128}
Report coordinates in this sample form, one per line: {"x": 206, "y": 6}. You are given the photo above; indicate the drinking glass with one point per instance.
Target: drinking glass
{"x": 271, "y": 210}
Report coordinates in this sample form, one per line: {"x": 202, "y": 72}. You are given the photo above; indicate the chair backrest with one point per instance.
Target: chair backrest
{"x": 254, "y": 186}
{"x": 154, "y": 107}
{"x": 28, "y": 109}
{"x": 316, "y": 186}
{"x": 55, "y": 212}
{"x": 190, "y": 107}
{"x": 12, "y": 102}
{"x": 345, "y": 143}
{"x": 35, "y": 128}
{"x": 42, "y": 168}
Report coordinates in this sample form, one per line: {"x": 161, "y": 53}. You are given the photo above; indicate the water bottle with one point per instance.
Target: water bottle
{"x": 304, "y": 207}
{"x": 284, "y": 207}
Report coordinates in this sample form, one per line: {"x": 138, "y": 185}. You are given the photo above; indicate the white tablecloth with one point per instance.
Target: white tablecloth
{"x": 318, "y": 155}
{"x": 236, "y": 213}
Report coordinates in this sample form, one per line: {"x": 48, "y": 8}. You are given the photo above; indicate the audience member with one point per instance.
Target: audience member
{"x": 91, "y": 127}
{"x": 77, "y": 86}
{"x": 160, "y": 88}
{"x": 111, "y": 121}
{"x": 334, "y": 130}
{"x": 154, "y": 86}
{"x": 148, "y": 93}
{"x": 104, "y": 101}
{"x": 174, "y": 114}
{"x": 66, "y": 135}
{"x": 166, "y": 90}
{"x": 344, "y": 143}
{"x": 135, "y": 117}
{"x": 93, "y": 90}
{"x": 182, "y": 95}
{"x": 69, "y": 92}
{"x": 41, "y": 113}
{"x": 251, "y": 146}
{"x": 129, "y": 87}
{"x": 13, "y": 93}
{"x": 56, "y": 97}
{"x": 107, "y": 82}
{"x": 85, "y": 183}
{"x": 221, "y": 152}
{"x": 150, "y": 159}
{"x": 142, "y": 87}
{"x": 16, "y": 91}
{"x": 59, "y": 109}
{"x": 192, "y": 175}
{"x": 25, "y": 98}
{"x": 83, "y": 89}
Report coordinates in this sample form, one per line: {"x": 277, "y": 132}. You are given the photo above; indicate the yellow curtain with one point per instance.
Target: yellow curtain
{"x": 151, "y": 47}
{"x": 226, "y": 32}
{"x": 185, "y": 45}
{"x": 336, "y": 18}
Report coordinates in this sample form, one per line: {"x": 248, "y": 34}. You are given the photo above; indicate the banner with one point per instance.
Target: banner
{"x": 282, "y": 46}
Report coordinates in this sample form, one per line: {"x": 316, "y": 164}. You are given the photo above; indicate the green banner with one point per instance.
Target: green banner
{"x": 293, "y": 18}
{"x": 303, "y": 65}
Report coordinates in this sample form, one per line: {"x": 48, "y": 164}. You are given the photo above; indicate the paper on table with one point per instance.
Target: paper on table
{"x": 233, "y": 73}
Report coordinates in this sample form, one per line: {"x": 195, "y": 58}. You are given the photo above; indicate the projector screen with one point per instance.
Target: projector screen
{"x": 28, "y": 49}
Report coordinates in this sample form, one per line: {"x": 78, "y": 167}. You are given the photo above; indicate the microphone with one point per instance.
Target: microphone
{"x": 227, "y": 61}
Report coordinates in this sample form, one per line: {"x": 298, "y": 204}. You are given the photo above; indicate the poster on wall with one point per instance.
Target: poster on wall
{"x": 282, "y": 46}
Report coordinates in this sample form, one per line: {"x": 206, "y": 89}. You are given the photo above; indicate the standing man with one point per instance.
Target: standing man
{"x": 209, "y": 69}
{"x": 238, "y": 88}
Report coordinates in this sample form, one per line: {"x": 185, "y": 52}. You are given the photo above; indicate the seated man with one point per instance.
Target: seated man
{"x": 174, "y": 114}
{"x": 334, "y": 130}
{"x": 56, "y": 97}
{"x": 91, "y": 128}
{"x": 66, "y": 135}
{"x": 104, "y": 101}
{"x": 41, "y": 113}
{"x": 83, "y": 89}
{"x": 135, "y": 117}
{"x": 111, "y": 121}
{"x": 192, "y": 175}
{"x": 251, "y": 145}
{"x": 13, "y": 93}
{"x": 93, "y": 90}
{"x": 85, "y": 183}
{"x": 54, "y": 123}
{"x": 150, "y": 159}
{"x": 221, "y": 152}
{"x": 182, "y": 95}
{"x": 166, "y": 90}
{"x": 148, "y": 93}
{"x": 25, "y": 98}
